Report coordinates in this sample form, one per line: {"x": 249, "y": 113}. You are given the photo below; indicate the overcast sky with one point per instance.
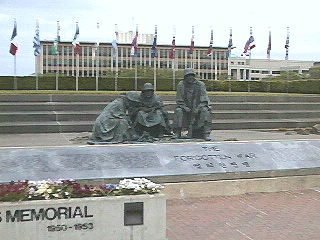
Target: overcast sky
{"x": 301, "y": 17}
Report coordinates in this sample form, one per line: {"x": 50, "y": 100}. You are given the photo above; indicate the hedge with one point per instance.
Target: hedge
{"x": 127, "y": 83}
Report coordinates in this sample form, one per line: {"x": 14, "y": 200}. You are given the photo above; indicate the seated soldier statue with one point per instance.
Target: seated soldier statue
{"x": 192, "y": 112}
{"x": 113, "y": 125}
{"x": 149, "y": 117}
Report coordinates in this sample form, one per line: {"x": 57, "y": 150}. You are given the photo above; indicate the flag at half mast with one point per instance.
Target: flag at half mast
{"x": 210, "y": 51}
{"x": 76, "y": 43}
{"x": 249, "y": 44}
{"x": 134, "y": 47}
{"x": 192, "y": 42}
{"x": 154, "y": 53}
{"x": 36, "y": 41}
{"x": 269, "y": 46}
{"x": 14, "y": 45}
{"x": 230, "y": 44}
{"x": 115, "y": 42}
{"x": 287, "y": 44}
{"x": 173, "y": 46}
{"x": 54, "y": 49}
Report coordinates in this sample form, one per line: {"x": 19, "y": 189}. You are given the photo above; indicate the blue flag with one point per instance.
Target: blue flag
{"x": 36, "y": 42}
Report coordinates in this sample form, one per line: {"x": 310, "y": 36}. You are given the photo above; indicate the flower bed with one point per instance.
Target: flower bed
{"x": 64, "y": 189}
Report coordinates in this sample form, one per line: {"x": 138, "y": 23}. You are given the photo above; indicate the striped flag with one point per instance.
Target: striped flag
{"x": 36, "y": 41}
{"x": 154, "y": 53}
{"x": 134, "y": 47}
{"x": 211, "y": 42}
{"x": 269, "y": 45}
{"x": 192, "y": 42}
{"x": 14, "y": 45}
{"x": 287, "y": 44}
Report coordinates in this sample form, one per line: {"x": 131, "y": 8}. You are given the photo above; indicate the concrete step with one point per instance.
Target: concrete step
{"x": 169, "y": 106}
{"x": 86, "y": 126}
{"x": 266, "y": 106}
{"x": 108, "y": 98}
{"x": 46, "y": 127}
{"x": 234, "y": 124}
{"x": 47, "y": 116}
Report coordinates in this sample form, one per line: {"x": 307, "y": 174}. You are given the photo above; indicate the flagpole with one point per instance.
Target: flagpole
{"x": 36, "y": 58}
{"x": 97, "y": 60}
{"x": 173, "y": 59}
{"x": 155, "y": 58}
{"x": 154, "y": 75}
{"x": 77, "y": 72}
{"x": 57, "y": 68}
{"x": 15, "y": 73}
{"x": 135, "y": 61}
{"x": 14, "y": 52}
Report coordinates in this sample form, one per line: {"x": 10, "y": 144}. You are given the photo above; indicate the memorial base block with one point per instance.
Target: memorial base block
{"x": 116, "y": 217}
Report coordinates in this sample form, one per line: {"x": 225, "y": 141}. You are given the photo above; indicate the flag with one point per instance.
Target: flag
{"x": 134, "y": 47}
{"x": 13, "y": 49}
{"x": 173, "y": 48}
{"x": 269, "y": 45}
{"x": 154, "y": 53}
{"x": 230, "y": 44}
{"x": 76, "y": 35}
{"x": 14, "y": 33}
{"x": 192, "y": 42}
{"x": 13, "y": 45}
{"x": 76, "y": 44}
{"x": 287, "y": 45}
{"x": 211, "y": 42}
{"x": 58, "y": 32}
{"x": 249, "y": 44}
{"x": 115, "y": 42}
{"x": 36, "y": 41}
{"x": 96, "y": 45}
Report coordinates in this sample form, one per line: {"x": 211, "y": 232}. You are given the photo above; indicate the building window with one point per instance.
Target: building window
{"x": 255, "y": 71}
{"x": 265, "y": 72}
{"x": 275, "y": 72}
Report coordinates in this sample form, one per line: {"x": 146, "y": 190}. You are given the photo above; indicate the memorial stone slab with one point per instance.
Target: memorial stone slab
{"x": 156, "y": 159}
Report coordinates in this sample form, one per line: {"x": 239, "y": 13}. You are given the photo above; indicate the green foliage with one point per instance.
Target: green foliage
{"x": 287, "y": 82}
{"x": 315, "y": 72}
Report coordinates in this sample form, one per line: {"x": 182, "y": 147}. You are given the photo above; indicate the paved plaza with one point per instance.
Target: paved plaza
{"x": 279, "y": 215}
{"x": 290, "y": 215}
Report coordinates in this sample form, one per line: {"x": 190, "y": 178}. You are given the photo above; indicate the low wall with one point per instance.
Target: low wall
{"x": 119, "y": 217}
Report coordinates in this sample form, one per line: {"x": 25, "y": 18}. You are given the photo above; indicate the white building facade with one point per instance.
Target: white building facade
{"x": 257, "y": 69}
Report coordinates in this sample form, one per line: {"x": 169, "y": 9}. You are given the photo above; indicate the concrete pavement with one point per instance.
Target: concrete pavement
{"x": 288, "y": 214}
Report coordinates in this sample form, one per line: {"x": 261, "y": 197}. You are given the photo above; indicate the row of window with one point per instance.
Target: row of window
{"x": 143, "y": 52}
{"x": 125, "y": 64}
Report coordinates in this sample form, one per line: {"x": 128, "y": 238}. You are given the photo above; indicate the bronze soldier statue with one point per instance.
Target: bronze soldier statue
{"x": 192, "y": 112}
{"x": 113, "y": 125}
{"x": 150, "y": 116}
